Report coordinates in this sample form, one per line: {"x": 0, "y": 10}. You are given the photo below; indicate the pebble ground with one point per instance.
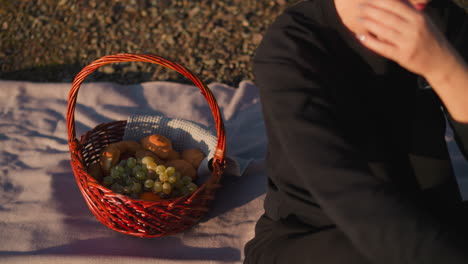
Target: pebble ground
{"x": 51, "y": 40}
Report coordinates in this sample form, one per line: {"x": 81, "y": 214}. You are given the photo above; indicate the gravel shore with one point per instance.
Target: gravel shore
{"x": 51, "y": 40}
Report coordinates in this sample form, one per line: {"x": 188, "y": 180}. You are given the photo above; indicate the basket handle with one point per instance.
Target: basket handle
{"x": 218, "y": 159}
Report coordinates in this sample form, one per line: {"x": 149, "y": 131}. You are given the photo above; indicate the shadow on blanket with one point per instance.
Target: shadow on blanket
{"x": 171, "y": 248}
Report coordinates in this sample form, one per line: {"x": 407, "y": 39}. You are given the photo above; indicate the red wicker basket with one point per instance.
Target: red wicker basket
{"x": 120, "y": 212}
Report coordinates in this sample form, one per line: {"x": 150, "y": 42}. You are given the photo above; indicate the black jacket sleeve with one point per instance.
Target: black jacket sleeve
{"x": 458, "y": 36}
{"x": 385, "y": 225}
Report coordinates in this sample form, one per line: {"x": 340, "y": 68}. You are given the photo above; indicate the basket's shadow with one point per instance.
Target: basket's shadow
{"x": 237, "y": 191}
{"x": 66, "y": 193}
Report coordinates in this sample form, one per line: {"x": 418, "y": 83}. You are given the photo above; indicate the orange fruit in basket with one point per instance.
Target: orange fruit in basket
{"x": 157, "y": 144}
{"x": 95, "y": 171}
{"x": 150, "y": 196}
{"x": 193, "y": 156}
{"x": 173, "y": 155}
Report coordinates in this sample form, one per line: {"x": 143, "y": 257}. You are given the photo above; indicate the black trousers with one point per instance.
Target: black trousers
{"x": 286, "y": 242}
{"x": 289, "y": 241}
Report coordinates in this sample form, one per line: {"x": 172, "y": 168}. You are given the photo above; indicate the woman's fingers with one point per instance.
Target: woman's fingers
{"x": 399, "y": 32}
{"x": 389, "y": 19}
{"x": 383, "y": 48}
{"x": 381, "y": 31}
{"x": 388, "y": 26}
{"x": 404, "y": 10}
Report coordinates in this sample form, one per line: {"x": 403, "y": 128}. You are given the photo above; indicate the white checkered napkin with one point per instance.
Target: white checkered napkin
{"x": 183, "y": 134}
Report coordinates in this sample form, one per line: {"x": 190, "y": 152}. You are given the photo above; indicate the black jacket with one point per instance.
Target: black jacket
{"x": 356, "y": 144}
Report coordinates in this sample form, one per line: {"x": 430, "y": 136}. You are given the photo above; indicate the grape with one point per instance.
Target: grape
{"x": 151, "y": 175}
{"x": 144, "y": 169}
{"x": 149, "y": 184}
{"x": 129, "y": 181}
{"x": 127, "y": 190}
{"x": 123, "y": 179}
{"x": 151, "y": 166}
{"x": 146, "y": 160}
{"x": 136, "y": 187}
{"x": 184, "y": 190}
{"x": 116, "y": 174}
{"x": 136, "y": 169}
{"x": 172, "y": 179}
{"x": 135, "y": 175}
{"x": 170, "y": 170}
{"x": 113, "y": 171}
{"x": 108, "y": 181}
{"x": 177, "y": 175}
{"x": 186, "y": 180}
{"x": 192, "y": 187}
{"x": 117, "y": 188}
{"x": 163, "y": 177}
{"x": 131, "y": 162}
{"x": 157, "y": 187}
{"x": 119, "y": 169}
{"x": 140, "y": 175}
{"x": 179, "y": 183}
{"x": 167, "y": 187}
{"x": 160, "y": 169}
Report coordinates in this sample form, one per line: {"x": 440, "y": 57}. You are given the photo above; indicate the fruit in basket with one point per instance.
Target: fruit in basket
{"x": 192, "y": 187}
{"x": 95, "y": 171}
{"x": 131, "y": 162}
{"x": 150, "y": 196}
{"x": 173, "y": 155}
{"x": 170, "y": 171}
{"x": 141, "y": 153}
{"x": 158, "y": 144}
{"x": 108, "y": 181}
{"x": 136, "y": 187}
{"x": 149, "y": 183}
{"x": 183, "y": 167}
{"x": 163, "y": 177}
{"x": 157, "y": 187}
{"x": 193, "y": 156}
{"x": 110, "y": 156}
{"x": 134, "y": 177}
{"x": 167, "y": 188}
{"x": 131, "y": 168}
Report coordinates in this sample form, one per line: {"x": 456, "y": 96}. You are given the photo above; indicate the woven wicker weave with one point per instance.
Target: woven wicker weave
{"x": 120, "y": 212}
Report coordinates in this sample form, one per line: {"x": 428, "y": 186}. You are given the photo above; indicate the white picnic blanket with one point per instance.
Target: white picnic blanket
{"x": 43, "y": 217}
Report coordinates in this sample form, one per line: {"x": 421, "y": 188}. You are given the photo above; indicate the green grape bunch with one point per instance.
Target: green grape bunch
{"x": 133, "y": 177}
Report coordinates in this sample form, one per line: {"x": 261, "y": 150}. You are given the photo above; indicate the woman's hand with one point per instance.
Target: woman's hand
{"x": 399, "y": 32}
